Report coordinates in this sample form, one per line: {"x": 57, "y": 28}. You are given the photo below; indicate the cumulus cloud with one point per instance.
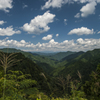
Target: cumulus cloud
{"x": 39, "y": 24}
{"x": 88, "y": 9}
{"x": 5, "y": 5}
{"x": 54, "y": 4}
{"x": 60, "y": 3}
{"x": 88, "y": 44}
{"x": 81, "y": 31}
{"x": 67, "y": 45}
{"x": 2, "y": 22}
{"x": 77, "y": 15}
{"x": 48, "y": 37}
{"x": 57, "y": 35}
{"x": 9, "y": 31}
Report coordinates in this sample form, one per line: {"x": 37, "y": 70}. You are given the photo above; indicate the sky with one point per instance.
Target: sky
{"x": 50, "y": 25}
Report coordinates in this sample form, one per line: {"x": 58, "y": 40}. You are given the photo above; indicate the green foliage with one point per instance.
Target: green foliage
{"x": 92, "y": 87}
{"x": 27, "y": 81}
{"x": 85, "y": 63}
{"x": 18, "y": 85}
{"x": 6, "y": 60}
{"x": 76, "y": 93}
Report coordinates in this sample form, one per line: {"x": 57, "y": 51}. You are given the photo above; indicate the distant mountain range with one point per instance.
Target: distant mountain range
{"x": 84, "y": 62}
{"x": 64, "y": 63}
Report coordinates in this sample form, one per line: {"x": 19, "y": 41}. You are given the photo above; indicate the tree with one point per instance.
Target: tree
{"x": 19, "y": 86}
{"x": 92, "y": 87}
{"x": 7, "y": 60}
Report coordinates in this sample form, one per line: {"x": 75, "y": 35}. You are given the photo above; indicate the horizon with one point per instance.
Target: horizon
{"x": 45, "y": 52}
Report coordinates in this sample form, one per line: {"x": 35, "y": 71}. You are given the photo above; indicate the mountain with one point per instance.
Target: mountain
{"x": 43, "y": 54}
{"x": 72, "y": 56}
{"x": 47, "y": 64}
{"x": 10, "y": 50}
{"x": 46, "y": 68}
{"x": 54, "y": 56}
{"x": 66, "y": 60}
{"x": 51, "y": 74}
{"x": 27, "y": 66}
{"x": 85, "y": 63}
{"x": 60, "y": 55}
{"x": 34, "y": 57}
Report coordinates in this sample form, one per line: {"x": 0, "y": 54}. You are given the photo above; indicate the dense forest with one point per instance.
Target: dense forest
{"x": 49, "y": 76}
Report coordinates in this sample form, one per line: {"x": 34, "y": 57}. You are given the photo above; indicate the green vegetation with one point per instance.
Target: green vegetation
{"x": 75, "y": 77}
{"x": 60, "y": 55}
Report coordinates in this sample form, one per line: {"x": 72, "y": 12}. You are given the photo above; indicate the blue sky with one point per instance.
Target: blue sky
{"x": 50, "y": 25}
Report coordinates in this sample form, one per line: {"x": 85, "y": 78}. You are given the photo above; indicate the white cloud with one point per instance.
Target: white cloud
{"x": 67, "y": 45}
{"x": 81, "y": 31}
{"x": 88, "y": 43}
{"x": 88, "y": 9}
{"x": 2, "y": 22}
{"x": 54, "y": 4}
{"x": 98, "y": 32}
{"x": 48, "y": 37}
{"x": 9, "y": 31}
{"x": 84, "y": 1}
{"x": 65, "y": 21}
{"x": 22, "y": 41}
{"x": 60, "y": 3}
{"x": 77, "y": 15}
{"x": 5, "y": 5}
{"x": 57, "y": 35}
{"x": 39, "y": 24}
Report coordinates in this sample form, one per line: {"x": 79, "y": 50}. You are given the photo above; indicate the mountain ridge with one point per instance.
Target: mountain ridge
{"x": 85, "y": 62}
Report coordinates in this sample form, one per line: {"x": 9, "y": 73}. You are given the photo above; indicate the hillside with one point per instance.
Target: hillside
{"x": 63, "y": 62}
{"x": 85, "y": 63}
{"x": 34, "y": 57}
{"x": 27, "y": 66}
{"x": 72, "y": 56}
{"x": 60, "y": 55}
{"x": 43, "y": 54}
{"x": 52, "y": 79}
{"x": 47, "y": 62}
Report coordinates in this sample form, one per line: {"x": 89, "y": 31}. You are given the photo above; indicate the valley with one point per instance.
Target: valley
{"x": 51, "y": 70}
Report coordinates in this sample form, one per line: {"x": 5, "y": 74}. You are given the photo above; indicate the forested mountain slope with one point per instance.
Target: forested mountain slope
{"x": 59, "y": 80}
{"x": 60, "y": 55}
{"x": 27, "y": 66}
{"x": 85, "y": 63}
{"x": 72, "y": 56}
{"x": 34, "y": 57}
